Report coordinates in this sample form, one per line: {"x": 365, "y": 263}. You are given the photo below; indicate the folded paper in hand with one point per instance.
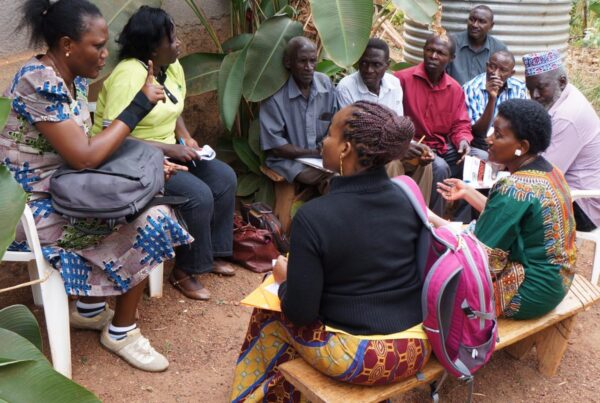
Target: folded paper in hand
{"x": 265, "y": 296}
{"x": 481, "y": 174}
{"x": 206, "y": 153}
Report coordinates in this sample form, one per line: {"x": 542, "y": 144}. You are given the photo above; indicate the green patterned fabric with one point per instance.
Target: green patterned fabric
{"x": 530, "y": 216}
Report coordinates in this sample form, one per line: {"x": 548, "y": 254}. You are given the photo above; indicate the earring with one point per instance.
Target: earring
{"x": 67, "y": 54}
{"x": 518, "y": 152}
{"x": 341, "y": 166}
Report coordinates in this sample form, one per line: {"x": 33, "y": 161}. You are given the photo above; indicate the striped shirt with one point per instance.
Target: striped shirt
{"x": 476, "y": 98}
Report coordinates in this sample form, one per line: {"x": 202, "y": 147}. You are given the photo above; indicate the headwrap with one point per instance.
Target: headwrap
{"x": 541, "y": 62}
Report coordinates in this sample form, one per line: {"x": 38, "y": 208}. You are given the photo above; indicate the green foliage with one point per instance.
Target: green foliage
{"x": 419, "y": 11}
{"x": 25, "y": 373}
{"x": 20, "y": 320}
{"x": 116, "y": 13}
{"x": 231, "y": 76}
{"x": 201, "y": 71}
{"x": 245, "y": 153}
{"x": 249, "y": 67}
{"x": 12, "y": 203}
{"x": 344, "y": 27}
{"x": 238, "y": 42}
{"x": 264, "y": 71}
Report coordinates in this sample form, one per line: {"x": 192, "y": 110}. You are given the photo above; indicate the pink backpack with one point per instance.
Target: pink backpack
{"x": 457, "y": 299}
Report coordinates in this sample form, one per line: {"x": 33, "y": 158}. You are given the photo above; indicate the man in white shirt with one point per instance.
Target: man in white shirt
{"x": 372, "y": 83}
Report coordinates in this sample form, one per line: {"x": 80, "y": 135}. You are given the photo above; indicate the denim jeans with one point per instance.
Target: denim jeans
{"x": 444, "y": 166}
{"x": 210, "y": 187}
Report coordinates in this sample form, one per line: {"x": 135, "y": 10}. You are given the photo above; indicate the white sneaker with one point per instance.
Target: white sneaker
{"x": 98, "y": 322}
{"x": 136, "y": 350}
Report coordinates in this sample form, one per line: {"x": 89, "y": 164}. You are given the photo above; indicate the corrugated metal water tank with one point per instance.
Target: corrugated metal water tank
{"x": 523, "y": 26}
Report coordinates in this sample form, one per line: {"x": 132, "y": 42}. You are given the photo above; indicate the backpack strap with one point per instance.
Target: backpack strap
{"x": 411, "y": 189}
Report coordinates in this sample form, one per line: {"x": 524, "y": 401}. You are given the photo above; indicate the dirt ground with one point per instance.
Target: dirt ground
{"x": 202, "y": 339}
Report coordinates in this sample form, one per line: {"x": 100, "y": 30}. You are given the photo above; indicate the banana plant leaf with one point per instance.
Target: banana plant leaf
{"x": 328, "y": 68}
{"x": 231, "y": 78}
{"x": 248, "y": 184}
{"x": 344, "y": 27}
{"x": 418, "y": 10}
{"x": 400, "y": 66}
{"x": 116, "y": 13}
{"x": 254, "y": 140}
{"x": 12, "y": 203}
{"x": 20, "y": 320}
{"x": 237, "y": 42}
{"x": 264, "y": 71}
{"x": 27, "y": 376}
{"x": 265, "y": 192}
{"x": 245, "y": 153}
{"x": 270, "y": 7}
{"x": 201, "y": 72}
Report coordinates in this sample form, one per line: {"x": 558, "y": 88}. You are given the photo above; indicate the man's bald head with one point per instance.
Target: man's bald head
{"x": 300, "y": 58}
{"x": 294, "y": 46}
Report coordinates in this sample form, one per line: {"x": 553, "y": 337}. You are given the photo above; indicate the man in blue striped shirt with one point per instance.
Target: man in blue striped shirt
{"x": 485, "y": 92}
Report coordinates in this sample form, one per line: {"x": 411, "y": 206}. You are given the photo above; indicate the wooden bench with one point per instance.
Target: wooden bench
{"x": 549, "y": 334}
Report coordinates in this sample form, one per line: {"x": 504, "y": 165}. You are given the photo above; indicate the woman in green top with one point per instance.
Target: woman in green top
{"x": 527, "y": 221}
{"x": 209, "y": 185}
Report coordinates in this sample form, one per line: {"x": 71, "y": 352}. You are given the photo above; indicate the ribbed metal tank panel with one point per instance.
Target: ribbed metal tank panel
{"x": 523, "y": 26}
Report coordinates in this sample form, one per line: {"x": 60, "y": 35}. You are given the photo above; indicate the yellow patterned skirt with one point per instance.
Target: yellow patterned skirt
{"x": 272, "y": 340}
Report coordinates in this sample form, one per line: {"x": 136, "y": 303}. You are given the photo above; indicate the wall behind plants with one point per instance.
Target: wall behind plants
{"x": 201, "y": 112}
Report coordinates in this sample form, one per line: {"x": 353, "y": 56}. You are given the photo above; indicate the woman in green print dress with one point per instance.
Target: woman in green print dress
{"x": 527, "y": 221}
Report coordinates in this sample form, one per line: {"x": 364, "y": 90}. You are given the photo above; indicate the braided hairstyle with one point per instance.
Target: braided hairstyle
{"x": 378, "y": 133}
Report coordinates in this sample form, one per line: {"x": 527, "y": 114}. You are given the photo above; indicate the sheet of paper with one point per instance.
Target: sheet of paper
{"x": 265, "y": 296}
{"x": 313, "y": 162}
{"x": 480, "y": 174}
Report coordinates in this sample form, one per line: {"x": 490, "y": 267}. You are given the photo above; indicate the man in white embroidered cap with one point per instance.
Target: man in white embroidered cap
{"x": 575, "y": 143}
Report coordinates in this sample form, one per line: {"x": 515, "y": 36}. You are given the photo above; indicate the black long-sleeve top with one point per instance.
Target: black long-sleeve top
{"x": 352, "y": 260}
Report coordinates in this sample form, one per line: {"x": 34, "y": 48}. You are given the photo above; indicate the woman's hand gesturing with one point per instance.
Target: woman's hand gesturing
{"x": 452, "y": 189}
{"x": 154, "y": 92}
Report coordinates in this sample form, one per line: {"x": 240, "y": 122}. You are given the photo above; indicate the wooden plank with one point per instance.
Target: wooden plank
{"x": 511, "y": 331}
{"x": 520, "y": 348}
{"x": 318, "y": 388}
{"x": 551, "y": 344}
{"x": 549, "y": 333}
{"x": 578, "y": 290}
{"x": 591, "y": 292}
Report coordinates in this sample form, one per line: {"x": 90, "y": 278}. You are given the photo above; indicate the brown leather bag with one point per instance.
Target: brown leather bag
{"x": 253, "y": 248}
{"x": 261, "y": 216}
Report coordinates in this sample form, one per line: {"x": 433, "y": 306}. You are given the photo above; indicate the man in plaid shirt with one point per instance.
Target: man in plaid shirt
{"x": 485, "y": 92}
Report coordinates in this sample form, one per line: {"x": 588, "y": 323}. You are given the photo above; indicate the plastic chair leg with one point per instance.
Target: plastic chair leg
{"x": 156, "y": 281}
{"x": 35, "y": 289}
{"x": 56, "y": 311}
{"x": 596, "y": 266}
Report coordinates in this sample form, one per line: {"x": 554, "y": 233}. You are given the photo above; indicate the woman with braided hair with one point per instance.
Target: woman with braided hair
{"x": 350, "y": 292}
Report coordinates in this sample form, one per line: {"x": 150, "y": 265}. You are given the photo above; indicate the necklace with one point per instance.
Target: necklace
{"x": 71, "y": 90}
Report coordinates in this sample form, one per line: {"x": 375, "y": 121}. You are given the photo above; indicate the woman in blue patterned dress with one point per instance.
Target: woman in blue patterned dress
{"x": 49, "y": 125}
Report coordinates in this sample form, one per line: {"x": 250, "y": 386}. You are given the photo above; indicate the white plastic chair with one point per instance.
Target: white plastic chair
{"x": 49, "y": 291}
{"x": 594, "y": 235}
